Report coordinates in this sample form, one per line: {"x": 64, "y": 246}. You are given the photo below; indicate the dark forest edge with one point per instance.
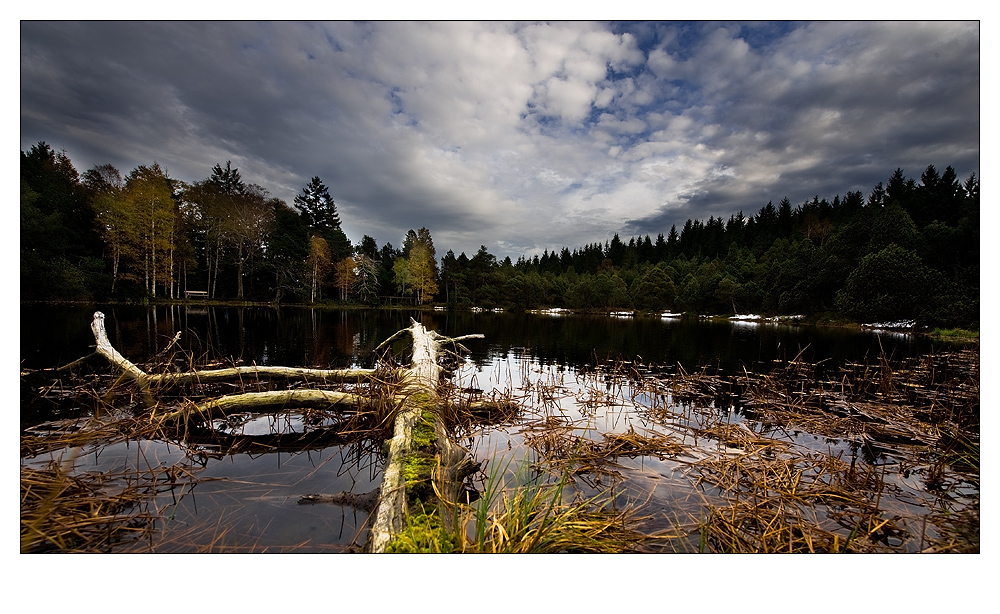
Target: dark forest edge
{"x": 907, "y": 252}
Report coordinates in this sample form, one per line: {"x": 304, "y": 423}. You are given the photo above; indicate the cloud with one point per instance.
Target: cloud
{"x": 517, "y": 136}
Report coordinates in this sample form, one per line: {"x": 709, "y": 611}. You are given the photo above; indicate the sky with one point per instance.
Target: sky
{"x": 520, "y": 136}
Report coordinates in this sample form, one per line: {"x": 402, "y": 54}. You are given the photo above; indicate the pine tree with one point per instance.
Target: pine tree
{"x": 227, "y": 180}
{"x": 317, "y": 207}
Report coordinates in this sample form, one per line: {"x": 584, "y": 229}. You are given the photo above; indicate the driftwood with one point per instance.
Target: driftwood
{"x": 146, "y": 380}
{"x": 422, "y": 377}
{"x": 419, "y": 384}
{"x": 365, "y": 502}
{"x": 274, "y": 400}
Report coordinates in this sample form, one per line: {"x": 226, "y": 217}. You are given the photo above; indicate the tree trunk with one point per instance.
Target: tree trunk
{"x": 239, "y": 271}
{"x": 451, "y": 463}
{"x": 215, "y": 275}
{"x": 114, "y": 268}
{"x": 152, "y": 250}
{"x": 423, "y": 376}
{"x": 105, "y": 349}
{"x": 312, "y": 297}
{"x": 264, "y": 401}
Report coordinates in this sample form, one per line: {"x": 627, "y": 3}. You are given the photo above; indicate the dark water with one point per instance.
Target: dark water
{"x": 247, "y": 502}
{"x": 55, "y": 335}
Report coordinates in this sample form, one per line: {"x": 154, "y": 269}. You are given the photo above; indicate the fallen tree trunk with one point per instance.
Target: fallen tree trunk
{"x": 423, "y": 465}
{"x": 406, "y": 465}
{"x": 145, "y": 380}
{"x": 265, "y": 401}
{"x": 324, "y": 376}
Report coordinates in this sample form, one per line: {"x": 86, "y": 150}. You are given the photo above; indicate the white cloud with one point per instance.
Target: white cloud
{"x": 510, "y": 134}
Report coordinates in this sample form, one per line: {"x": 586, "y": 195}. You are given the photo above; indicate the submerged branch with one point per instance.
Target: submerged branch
{"x": 265, "y": 401}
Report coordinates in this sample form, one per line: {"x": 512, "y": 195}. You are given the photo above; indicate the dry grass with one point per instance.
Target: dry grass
{"x": 92, "y": 512}
{"x": 752, "y": 487}
{"x": 795, "y": 503}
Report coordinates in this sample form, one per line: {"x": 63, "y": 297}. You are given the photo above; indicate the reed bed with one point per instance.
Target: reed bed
{"x": 744, "y": 454}
{"x": 530, "y": 515}
{"x": 92, "y": 512}
{"x": 797, "y": 502}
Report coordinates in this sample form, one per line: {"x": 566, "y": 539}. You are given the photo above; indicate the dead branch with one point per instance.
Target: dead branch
{"x": 274, "y": 400}
{"x": 145, "y": 380}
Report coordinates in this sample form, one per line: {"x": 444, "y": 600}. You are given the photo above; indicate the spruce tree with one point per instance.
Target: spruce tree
{"x": 317, "y": 207}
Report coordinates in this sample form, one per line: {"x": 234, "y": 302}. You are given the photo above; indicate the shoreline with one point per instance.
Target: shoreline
{"x": 954, "y": 334}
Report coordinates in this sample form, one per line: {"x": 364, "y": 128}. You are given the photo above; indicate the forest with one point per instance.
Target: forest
{"x": 907, "y": 251}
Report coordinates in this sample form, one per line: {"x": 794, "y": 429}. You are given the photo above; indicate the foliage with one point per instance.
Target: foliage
{"x": 320, "y": 264}
{"x": 346, "y": 276}
{"x": 889, "y": 286}
{"x": 288, "y": 245}
{"x": 148, "y": 236}
{"x": 59, "y": 240}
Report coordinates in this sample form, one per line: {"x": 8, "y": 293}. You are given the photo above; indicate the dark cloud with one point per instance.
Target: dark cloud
{"x": 520, "y": 137}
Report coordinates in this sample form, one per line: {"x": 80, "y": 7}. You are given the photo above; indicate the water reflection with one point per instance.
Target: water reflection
{"x": 255, "y": 472}
{"x": 52, "y": 335}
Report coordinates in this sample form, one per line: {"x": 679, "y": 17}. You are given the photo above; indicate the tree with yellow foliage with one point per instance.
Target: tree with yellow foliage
{"x": 346, "y": 276}
{"x": 319, "y": 262}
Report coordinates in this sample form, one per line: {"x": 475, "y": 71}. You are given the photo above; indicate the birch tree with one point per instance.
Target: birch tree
{"x": 149, "y": 193}
{"x": 346, "y": 277}
{"x": 402, "y": 276}
{"x": 366, "y": 284}
{"x": 319, "y": 263}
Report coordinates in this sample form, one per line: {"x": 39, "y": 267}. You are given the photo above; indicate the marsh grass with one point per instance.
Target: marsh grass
{"x": 92, "y": 512}
{"x": 731, "y": 443}
{"x": 529, "y": 514}
{"x": 766, "y": 492}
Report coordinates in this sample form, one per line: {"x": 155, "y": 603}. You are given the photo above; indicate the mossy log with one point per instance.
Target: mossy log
{"x": 409, "y": 462}
{"x": 422, "y": 464}
{"x": 274, "y": 400}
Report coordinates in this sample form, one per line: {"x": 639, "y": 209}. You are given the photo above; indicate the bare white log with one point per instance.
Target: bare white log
{"x": 392, "y": 493}
{"x": 145, "y": 380}
{"x": 105, "y": 349}
{"x": 326, "y": 376}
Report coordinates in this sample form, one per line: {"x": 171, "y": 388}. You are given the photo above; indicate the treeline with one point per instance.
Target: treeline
{"x": 101, "y": 235}
{"x": 908, "y": 250}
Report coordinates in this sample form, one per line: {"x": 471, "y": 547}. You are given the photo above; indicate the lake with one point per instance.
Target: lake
{"x": 551, "y": 364}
